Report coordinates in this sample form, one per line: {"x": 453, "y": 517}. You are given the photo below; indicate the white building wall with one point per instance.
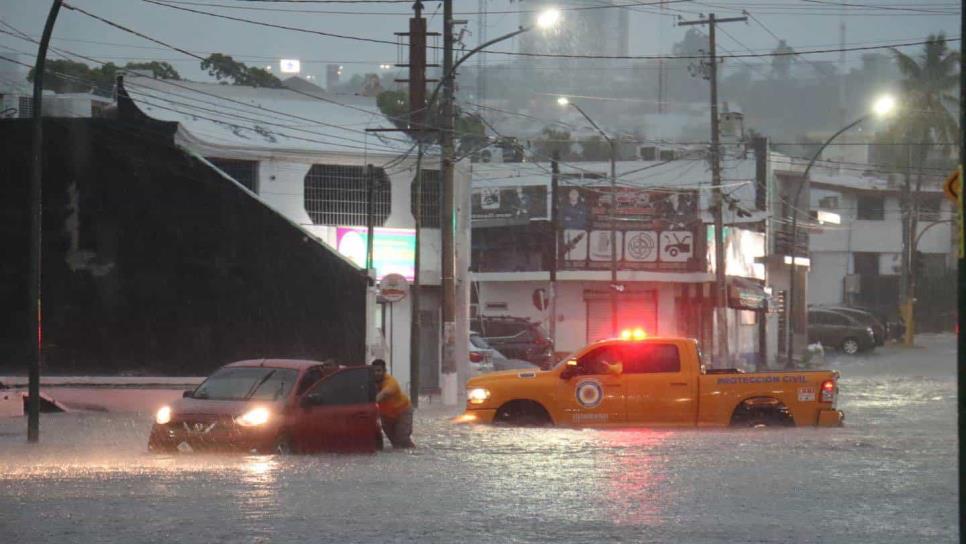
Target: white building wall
{"x": 826, "y": 276}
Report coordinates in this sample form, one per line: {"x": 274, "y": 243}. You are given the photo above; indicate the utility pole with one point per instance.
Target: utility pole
{"x": 555, "y": 244}
{"x": 721, "y": 287}
{"x": 416, "y": 127}
{"x": 37, "y": 229}
{"x": 960, "y": 374}
{"x": 448, "y": 226}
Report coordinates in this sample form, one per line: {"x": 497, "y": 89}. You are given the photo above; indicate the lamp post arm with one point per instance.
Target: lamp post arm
{"x": 464, "y": 58}
{"x": 595, "y": 125}
{"x": 792, "y": 302}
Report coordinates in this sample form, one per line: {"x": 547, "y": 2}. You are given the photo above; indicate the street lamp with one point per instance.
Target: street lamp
{"x": 884, "y": 106}
{"x": 564, "y": 102}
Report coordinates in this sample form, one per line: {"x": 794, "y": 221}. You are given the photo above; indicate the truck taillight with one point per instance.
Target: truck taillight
{"x": 828, "y": 391}
{"x": 476, "y": 357}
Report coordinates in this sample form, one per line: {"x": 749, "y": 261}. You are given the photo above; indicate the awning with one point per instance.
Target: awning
{"x": 747, "y": 294}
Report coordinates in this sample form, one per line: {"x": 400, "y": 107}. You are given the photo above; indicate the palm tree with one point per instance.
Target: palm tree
{"x": 925, "y": 124}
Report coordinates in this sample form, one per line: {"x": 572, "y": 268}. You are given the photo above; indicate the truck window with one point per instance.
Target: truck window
{"x": 598, "y": 361}
{"x": 652, "y": 358}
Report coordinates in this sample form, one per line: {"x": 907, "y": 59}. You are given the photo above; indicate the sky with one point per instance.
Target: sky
{"x": 804, "y": 24}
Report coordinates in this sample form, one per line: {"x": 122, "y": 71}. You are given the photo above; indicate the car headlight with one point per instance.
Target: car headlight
{"x": 871, "y": 331}
{"x": 477, "y": 395}
{"x": 163, "y": 416}
{"x": 253, "y": 417}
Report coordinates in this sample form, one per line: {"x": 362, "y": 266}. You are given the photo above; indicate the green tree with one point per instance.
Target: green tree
{"x": 594, "y": 148}
{"x": 926, "y": 125}
{"x": 553, "y": 140}
{"x": 160, "y": 70}
{"x": 223, "y": 67}
{"x": 67, "y": 76}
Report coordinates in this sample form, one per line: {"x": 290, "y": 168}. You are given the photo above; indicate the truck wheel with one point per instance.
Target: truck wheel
{"x": 522, "y": 413}
{"x": 850, "y": 346}
{"x": 761, "y": 415}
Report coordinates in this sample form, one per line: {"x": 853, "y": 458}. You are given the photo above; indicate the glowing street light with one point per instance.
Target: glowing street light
{"x": 563, "y": 101}
{"x": 885, "y": 105}
{"x": 548, "y": 19}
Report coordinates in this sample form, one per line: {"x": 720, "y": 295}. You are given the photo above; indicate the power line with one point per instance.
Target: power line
{"x": 547, "y": 55}
{"x": 131, "y": 31}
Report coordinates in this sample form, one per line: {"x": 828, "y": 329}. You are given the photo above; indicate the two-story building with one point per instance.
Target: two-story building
{"x": 859, "y": 260}
{"x": 664, "y": 242}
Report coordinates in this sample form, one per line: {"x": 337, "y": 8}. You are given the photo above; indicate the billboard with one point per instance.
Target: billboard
{"x": 393, "y": 250}
{"x": 656, "y": 228}
{"x": 510, "y": 205}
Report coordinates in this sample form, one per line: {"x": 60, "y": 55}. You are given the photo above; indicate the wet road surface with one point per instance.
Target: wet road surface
{"x": 888, "y": 476}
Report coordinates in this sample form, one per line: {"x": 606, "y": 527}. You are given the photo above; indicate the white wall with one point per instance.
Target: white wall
{"x": 826, "y": 276}
{"x": 571, "y": 306}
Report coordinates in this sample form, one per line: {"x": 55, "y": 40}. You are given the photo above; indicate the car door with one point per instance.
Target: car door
{"x": 818, "y": 328}
{"x": 658, "y": 392}
{"x": 589, "y": 394}
{"x": 338, "y": 414}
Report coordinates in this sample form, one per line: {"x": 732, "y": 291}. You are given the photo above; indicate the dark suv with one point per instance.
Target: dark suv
{"x": 840, "y": 331}
{"x": 864, "y": 317}
{"x": 516, "y": 338}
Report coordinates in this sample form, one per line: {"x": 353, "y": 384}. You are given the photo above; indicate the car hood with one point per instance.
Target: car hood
{"x": 219, "y": 407}
{"x": 505, "y": 375}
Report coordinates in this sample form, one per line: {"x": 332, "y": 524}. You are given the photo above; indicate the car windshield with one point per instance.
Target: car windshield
{"x": 247, "y": 383}
{"x": 479, "y": 342}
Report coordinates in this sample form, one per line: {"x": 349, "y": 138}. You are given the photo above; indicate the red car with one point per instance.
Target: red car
{"x": 273, "y": 406}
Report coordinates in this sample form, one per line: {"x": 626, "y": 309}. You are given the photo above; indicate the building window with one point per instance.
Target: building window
{"x": 338, "y": 195}
{"x": 829, "y": 203}
{"x": 871, "y": 208}
{"x": 865, "y": 263}
{"x": 26, "y": 106}
{"x": 431, "y": 199}
{"x": 244, "y": 172}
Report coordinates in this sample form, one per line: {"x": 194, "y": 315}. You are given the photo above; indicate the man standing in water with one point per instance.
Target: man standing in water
{"x": 395, "y": 408}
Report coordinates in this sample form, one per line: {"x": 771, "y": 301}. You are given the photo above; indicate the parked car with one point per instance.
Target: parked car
{"x": 863, "y": 316}
{"x": 516, "y": 338}
{"x": 840, "y": 331}
{"x": 273, "y": 406}
{"x": 480, "y": 354}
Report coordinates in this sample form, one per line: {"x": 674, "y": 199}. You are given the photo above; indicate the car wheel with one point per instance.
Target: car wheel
{"x": 380, "y": 442}
{"x": 850, "y": 346}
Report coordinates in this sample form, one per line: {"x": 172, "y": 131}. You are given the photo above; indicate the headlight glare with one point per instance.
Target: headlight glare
{"x": 163, "y": 416}
{"x": 477, "y": 395}
{"x": 253, "y": 417}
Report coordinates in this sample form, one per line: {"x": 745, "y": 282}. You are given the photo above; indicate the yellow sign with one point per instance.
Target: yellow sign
{"x": 952, "y": 186}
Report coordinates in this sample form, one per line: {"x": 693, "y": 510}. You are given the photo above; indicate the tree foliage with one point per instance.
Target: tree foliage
{"x": 160, "y": 70}
{"x": 552, "y": 141}
{"x": 470, "y": 129}
{"x": 224, "y": 68}
{"x": 68, "y": 76}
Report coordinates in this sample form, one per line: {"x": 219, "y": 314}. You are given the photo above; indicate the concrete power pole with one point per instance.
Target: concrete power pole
{"x": 448, "y": 226}
{"x": 721, "y": 287}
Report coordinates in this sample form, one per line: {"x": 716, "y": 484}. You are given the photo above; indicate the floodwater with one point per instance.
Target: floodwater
{"x": 888, "y": 476}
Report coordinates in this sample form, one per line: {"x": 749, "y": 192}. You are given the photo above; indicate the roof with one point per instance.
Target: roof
{"x": 296, "y": 364}
{"x": 265, "y": 120}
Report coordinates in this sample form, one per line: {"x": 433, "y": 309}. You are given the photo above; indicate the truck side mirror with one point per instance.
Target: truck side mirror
{"x": 188, "y": 394}
{"x": 307, "y": 401}
{"x": 615, "y": 369}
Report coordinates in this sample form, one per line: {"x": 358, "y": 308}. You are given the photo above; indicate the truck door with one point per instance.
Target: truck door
{"x": 591, "y": 392}
{"x": 337, "y": 414}
{"x": 659, "y": 391}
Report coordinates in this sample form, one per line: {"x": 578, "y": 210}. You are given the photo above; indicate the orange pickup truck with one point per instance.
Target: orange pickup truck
{"x": 654, "y": 382}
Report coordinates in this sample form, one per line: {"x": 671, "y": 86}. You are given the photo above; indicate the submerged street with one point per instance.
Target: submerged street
{"x": 888, "y": 476}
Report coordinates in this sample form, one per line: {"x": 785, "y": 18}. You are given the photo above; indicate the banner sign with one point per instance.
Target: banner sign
{"x": 393, "y": 250}
{"x": 656, "y": 229}
{"x": 508, "y": 206}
